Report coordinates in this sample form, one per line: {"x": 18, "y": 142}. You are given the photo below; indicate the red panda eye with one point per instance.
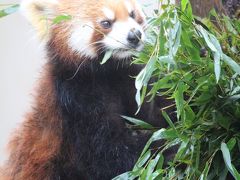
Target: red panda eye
{"x": 132, "y": 14}
{"x": 106, "y": 24}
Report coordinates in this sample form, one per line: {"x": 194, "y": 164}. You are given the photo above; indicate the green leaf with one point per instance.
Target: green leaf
{"x": 163, "y": 83}
{"x": 9, "y": 10}
{"x": 178, "y": 33}
{"x": 196, "y": 90}
{"x": 178, "y": 95}
{"x": 124, "y": 176}
{"x": 206, "y": 37}
{"x": 231, "y": 143}
{"x": 215, "y": 46}
{"x": 204, "y": 175}
{"x": 138, "y": 122}
{"x": 172, "y": 173}
{"x": 205, "y": 172}
{"x": 229, "y": 25}
{"x": 143, "y": 78}
{"x": 169, "y": 134}
{"x": 61, "y": 18}
{"x": 207, "y": 112}
{"x": 188, "y": 116}
{"x": 186, "y": 39}
{"x": 223, "y": 121}
{"x": 151, "y": 166}
{"x": 182, "y": 150}
{"x": 107, "y": 56}
{"x": 166, "y": 59}
{"x": 228, "y": 163}
{"x": 184, "y": 4}
{"x": 157, "y": 174}
{"x": 217, "y": 66}
{"x": 194, "y": 53}
{"x": 229, "y": 61}
{"x": 142, "y": 160}
{"x": 236, "y": 90}
{"x": 160, "y": 162}
{"x": 159, "y": 135}
{"x": 189, "y": 12}
{"x": 169, "y": 121}
{"x": 234, "y": 98}
{"x": 162, "y": 40}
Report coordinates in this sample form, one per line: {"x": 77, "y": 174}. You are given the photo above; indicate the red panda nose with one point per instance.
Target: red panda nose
{"x": 134, "y": 36}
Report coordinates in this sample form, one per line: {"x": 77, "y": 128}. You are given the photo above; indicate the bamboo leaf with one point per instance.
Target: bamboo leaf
{"x": 138, "y": 122}
{"x": 143, "y": 78}
{"x": 142, "y": 160}
{"x": 228, "y": 163}
{"x": 107, "y": 56}
{"x": 235, "y": 66}
{"x": 9, "y": 10}
{"x": 217, "y": 66}
{"x": 184, "y": 4}
{"x": 124, "y": 176}
{"x": 206, "y": 37}
{"x": 61, "y": 18}
{"x": 178, "y": 95}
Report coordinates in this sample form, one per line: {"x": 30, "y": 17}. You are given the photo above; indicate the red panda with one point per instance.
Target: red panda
{"x": 75, "y": 130}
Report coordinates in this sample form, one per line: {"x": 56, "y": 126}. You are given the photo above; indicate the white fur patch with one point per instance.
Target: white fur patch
{"x": 109, "y": 13}
{"x": 117, "y": 38}
{"x": 128, "y": 6}
{"x": 122, "y": 54}
{"x": 80, "y": 39}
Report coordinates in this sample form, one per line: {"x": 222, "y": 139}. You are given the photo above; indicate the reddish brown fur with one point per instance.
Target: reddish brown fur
{"x": 37, "y": 141}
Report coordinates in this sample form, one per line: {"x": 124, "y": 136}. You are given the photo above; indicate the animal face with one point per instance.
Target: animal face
{"x": 95, "y": 27}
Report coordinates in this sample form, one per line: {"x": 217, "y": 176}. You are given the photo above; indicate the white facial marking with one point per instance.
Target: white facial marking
{"x": 80, "y": 39}
{"x": 109, "y": 13}
{"x": 128, "y": 6}
{"x": 122, "y": 54}
{"x": 117, "y": 38}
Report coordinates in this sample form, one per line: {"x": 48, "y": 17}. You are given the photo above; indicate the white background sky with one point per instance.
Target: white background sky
{"x": 20, "y": 63}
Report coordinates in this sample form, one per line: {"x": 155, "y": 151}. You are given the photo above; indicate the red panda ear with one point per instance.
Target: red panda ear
{"x": 40, "y": 14}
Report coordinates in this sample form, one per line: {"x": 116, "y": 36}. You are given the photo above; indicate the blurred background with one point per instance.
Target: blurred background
{"x": 20, "y": 62}
{"x": 21, "y": 59}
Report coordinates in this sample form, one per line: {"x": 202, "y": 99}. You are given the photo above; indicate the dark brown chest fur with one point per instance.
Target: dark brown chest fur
{"x": 96, "y": 143}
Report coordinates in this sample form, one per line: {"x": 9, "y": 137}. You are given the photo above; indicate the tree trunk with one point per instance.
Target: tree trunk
{"x": 203, "y": 7}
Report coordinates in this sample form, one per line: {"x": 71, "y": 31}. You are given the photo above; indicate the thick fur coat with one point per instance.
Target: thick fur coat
{"x": 75, "y": 130}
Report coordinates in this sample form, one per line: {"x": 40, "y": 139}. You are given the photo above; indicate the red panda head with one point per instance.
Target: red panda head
{"x": 95, "y": 26}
